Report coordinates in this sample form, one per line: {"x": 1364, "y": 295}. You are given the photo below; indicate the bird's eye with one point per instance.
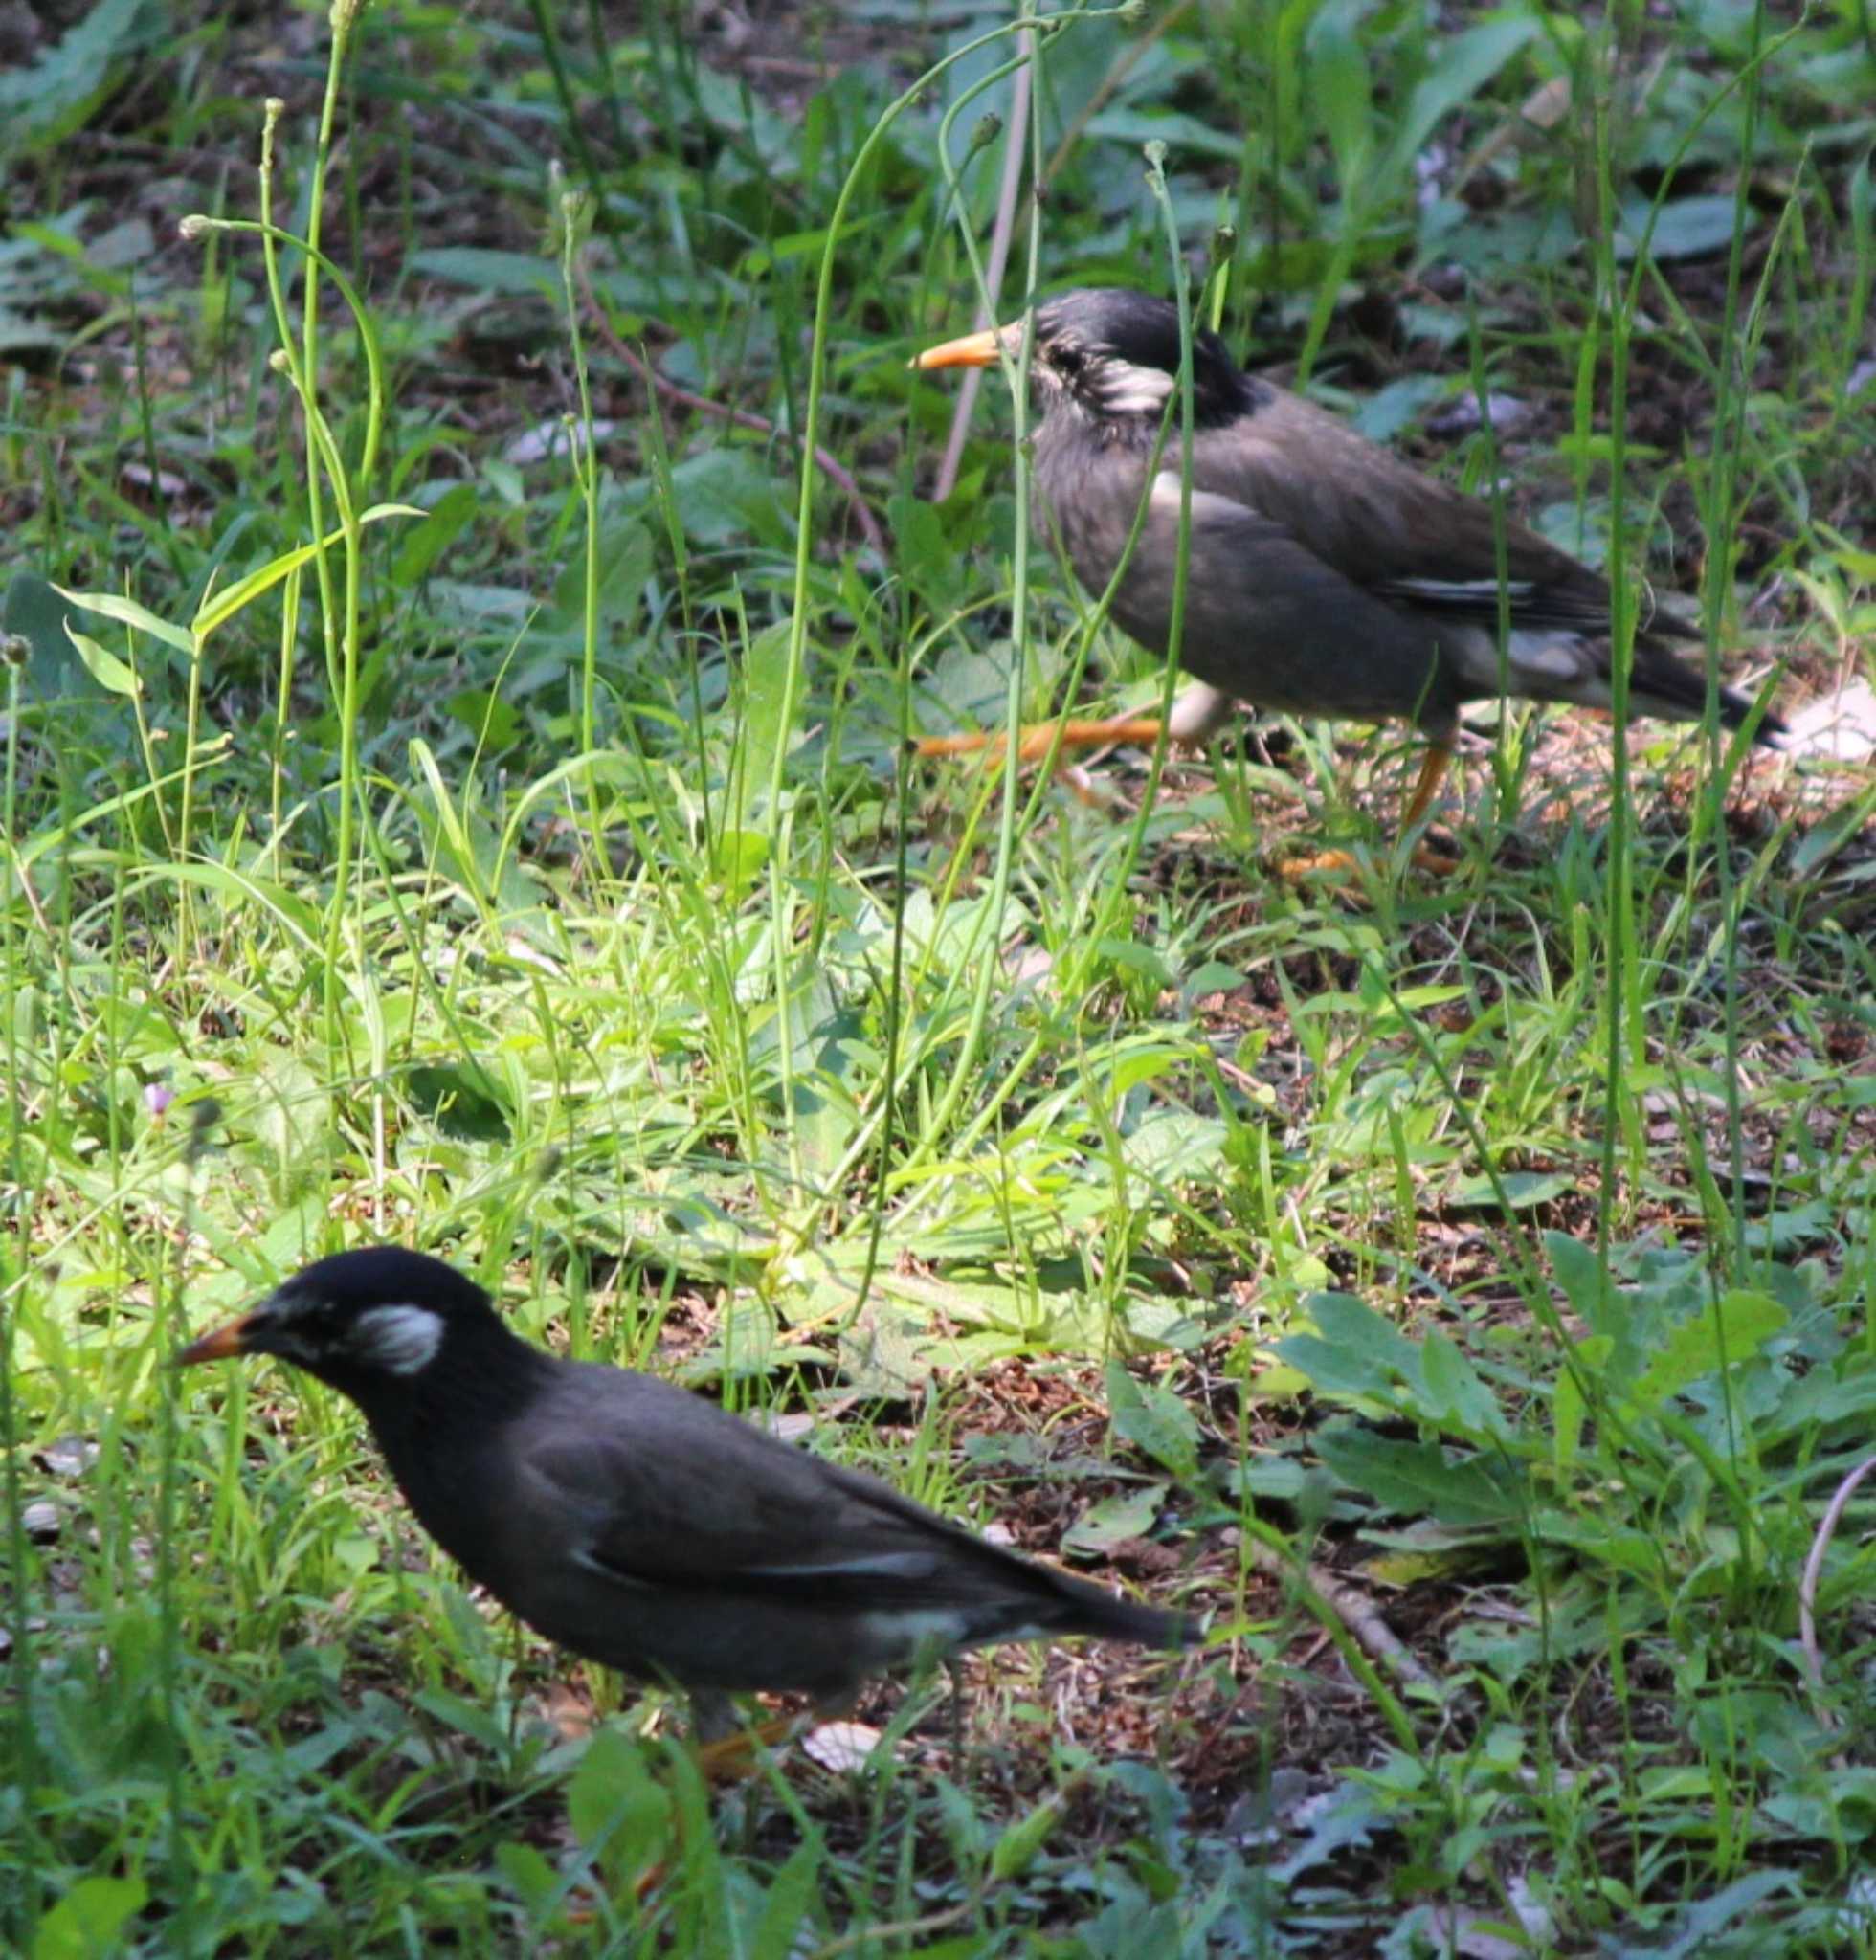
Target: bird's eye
{"x": 1069, "y": 360}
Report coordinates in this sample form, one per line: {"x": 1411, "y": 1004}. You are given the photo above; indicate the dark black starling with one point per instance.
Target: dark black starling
{"x": 640, "y": 1525}
{"x": 1325, "y": 575}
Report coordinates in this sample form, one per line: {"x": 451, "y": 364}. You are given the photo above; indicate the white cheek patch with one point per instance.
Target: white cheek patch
{"x": 1124, "y": 390}
{"x": 402, "y": 1340}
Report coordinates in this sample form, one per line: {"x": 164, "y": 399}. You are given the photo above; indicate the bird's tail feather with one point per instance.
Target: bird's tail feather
{"x": 1661, "y": 683}
{"x": 1098, "y": 1614}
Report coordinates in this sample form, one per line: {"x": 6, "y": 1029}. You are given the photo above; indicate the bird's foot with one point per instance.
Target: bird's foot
{"x": 733, "y": 1758}
{"x": 1340, "y": 864}
{"x": 1424, "y": 857}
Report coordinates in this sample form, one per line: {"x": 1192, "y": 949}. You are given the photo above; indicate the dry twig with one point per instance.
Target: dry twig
{"x": 1807, "y": 1586}
{"x": 1001, "y": 233}
{"x": 1370, "y": 1633}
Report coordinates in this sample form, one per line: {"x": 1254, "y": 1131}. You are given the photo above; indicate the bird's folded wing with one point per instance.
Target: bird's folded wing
{"x": 684, "y": 1496}
{"x": 1390, "y": 530}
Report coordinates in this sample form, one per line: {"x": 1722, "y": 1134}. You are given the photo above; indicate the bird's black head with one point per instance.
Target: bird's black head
{"x": 1112, "y": 355}
{"x": 362, "y": 1320}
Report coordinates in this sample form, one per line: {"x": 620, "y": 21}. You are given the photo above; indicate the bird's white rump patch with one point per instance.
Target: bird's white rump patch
{"x": 932, "y": 1627}
{"x": 1555, "y": 666}
{"x": 401, "y": 1339}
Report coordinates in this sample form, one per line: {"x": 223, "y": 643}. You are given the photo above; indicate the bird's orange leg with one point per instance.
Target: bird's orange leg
{"x": 1035, "y": 742}
{"x": 1433, "y": 772}
{"x": 1199, "y": 711}
{"x": 1065, "y": 738}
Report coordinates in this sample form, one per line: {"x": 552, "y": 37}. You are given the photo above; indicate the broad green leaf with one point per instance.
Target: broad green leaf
{"x": 1141, "y": 1062}
{"x": 1155, "y": 1420}
{"x": 785, "y": 1912}
{"x": 1465, "y": 63}
{"x": 1136, "y": 959}
{"x": 1821, "y": 1398}
{"x": 761, "y": 259}
{"x": 472, "y": 1718}
{"x": 1428, "y": 1550}
{"x": 1455, "y": 1396}
{"x": 1567, "y": 1414}
{"x": 1602, "y": 1540}
{"x": 1183, "y": 135}
{"x": 1419, "y": 1478}
{"x": 85, "y": 1925}
{"x": 1114, "y": 1520}
{"x": 739, "y": 858}
{"x": 1175, "y": 1142}
{"x": 532, "y": 1880}
{"x": 127, "y": 612}
{"x": 1719, "y": 1336}
{"x": 19, "y": 331}
{"x": 1210, "y": 977}
{"x": 1339, "y": 89}
{"x": 424, "y": 543}
{"x": 1354, "y": 1350}
{"x": 1581, "y": 1274}
{"x": 1683, "y": 227}
{"x": 103, "y": 667}
{"x": 243, "y": 888}
{"x": 1015, "y": 1849}
{"x": 1521, "y": 1188}
{"x": 627, "y": 557}
{"x": 764, "y": 683}
{"x": 490, "y": 272}
{"x": 48, "y": 99}
{"x": 615, "y": 1806}
{"x": 493, "y": 721}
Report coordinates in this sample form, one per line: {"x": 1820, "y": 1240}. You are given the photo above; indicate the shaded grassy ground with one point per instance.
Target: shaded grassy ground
{"x": 539, "y": 877}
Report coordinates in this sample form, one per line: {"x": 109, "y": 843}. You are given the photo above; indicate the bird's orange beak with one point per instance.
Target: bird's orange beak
{"x": 968, "y": 350}
{"x": 219, "y": 1343}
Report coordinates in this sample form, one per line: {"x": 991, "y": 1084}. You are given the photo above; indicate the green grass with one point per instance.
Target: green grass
{"x": 534, "y": 873}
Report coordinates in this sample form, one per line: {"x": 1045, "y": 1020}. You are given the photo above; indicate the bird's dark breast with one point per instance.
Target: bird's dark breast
{"x": 1091, "y": 483}
{"x": 454, "y": 1491}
